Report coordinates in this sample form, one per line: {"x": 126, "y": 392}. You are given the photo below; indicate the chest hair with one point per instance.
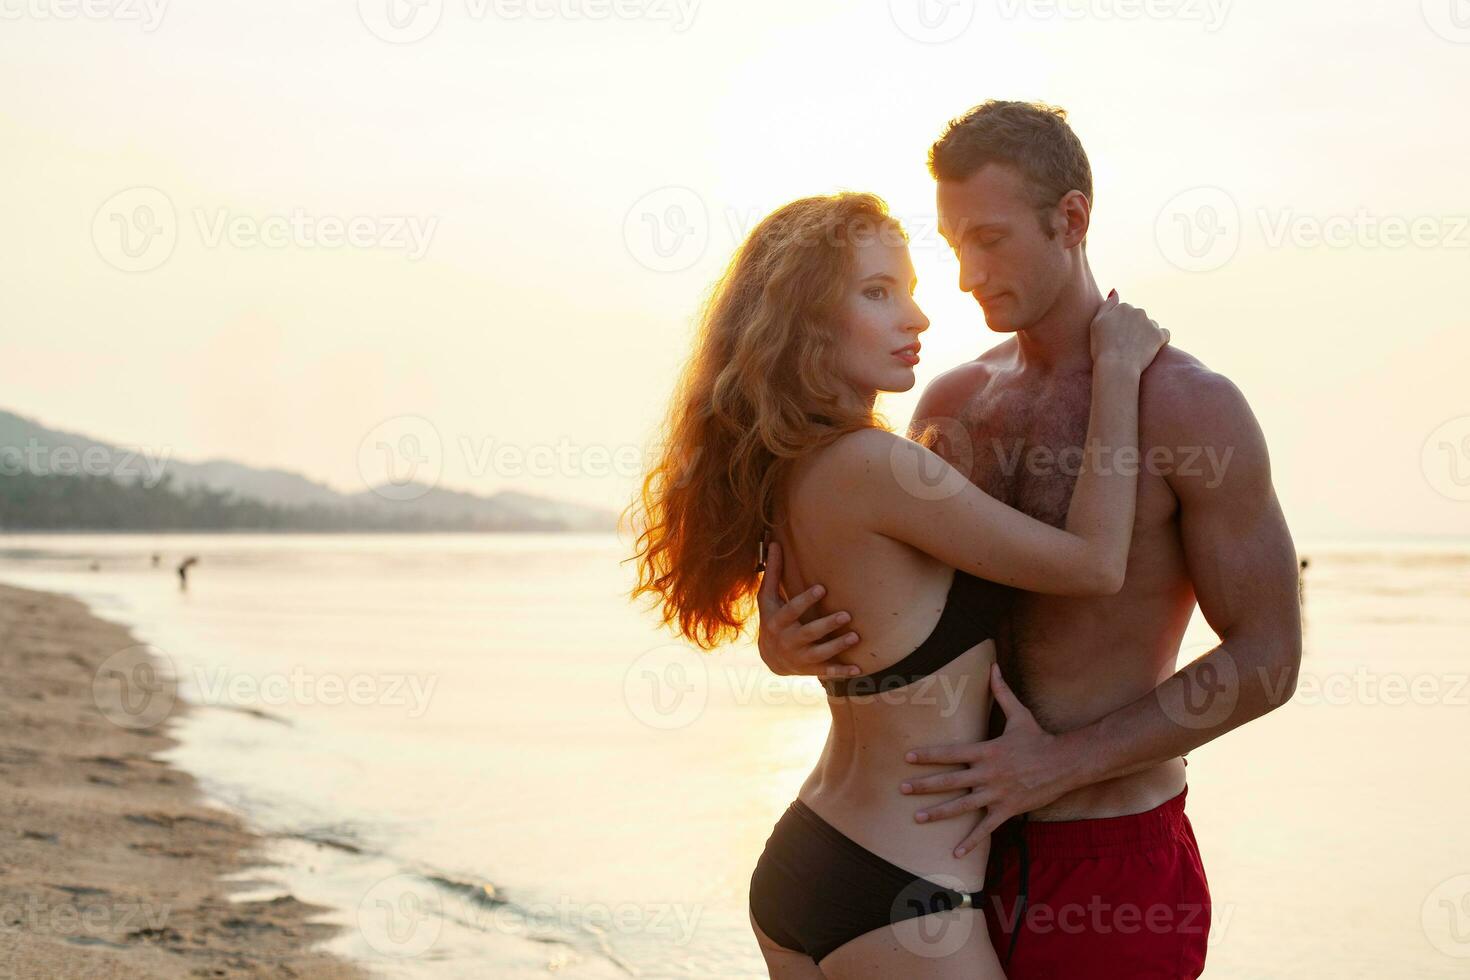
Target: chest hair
{"x": 1024, "y": 448}
{"x": 1026, "y": 442}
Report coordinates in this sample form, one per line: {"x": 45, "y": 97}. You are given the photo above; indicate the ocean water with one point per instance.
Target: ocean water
{"x": 488, "y": 763}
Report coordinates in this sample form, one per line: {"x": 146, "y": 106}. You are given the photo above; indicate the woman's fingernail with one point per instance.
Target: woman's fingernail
{"x": 921, "y": 816}
{"x": 911, "y": 757}
{"x": 906, "y": 788}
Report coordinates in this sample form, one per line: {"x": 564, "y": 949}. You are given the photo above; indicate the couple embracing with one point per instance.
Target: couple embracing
{"x": 994, "y": 603}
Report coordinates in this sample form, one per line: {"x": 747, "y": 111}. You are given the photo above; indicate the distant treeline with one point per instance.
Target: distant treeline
{"x": 30, "y": 502}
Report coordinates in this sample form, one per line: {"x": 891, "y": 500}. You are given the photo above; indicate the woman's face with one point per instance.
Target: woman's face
{"x": 880, "y": 321}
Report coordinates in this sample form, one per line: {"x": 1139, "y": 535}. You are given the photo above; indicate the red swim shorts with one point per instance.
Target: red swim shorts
{"x": 1118, "y": 897}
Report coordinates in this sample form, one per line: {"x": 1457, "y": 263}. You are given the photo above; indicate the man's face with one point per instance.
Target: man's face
{"x": 1007, "y": 262}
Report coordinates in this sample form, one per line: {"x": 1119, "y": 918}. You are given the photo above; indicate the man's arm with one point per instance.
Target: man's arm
{"x": 1244, "y": 569}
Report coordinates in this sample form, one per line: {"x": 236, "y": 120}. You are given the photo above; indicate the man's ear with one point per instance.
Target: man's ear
{"x": 1076, "y": 214}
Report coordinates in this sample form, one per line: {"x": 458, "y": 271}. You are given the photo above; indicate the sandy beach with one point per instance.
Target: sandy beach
{"x": 110, "y": 860}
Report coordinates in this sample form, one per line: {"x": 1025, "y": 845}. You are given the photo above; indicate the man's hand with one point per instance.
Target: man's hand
{"x": 787, "y": 645}
{"x": 1020, "y": 771}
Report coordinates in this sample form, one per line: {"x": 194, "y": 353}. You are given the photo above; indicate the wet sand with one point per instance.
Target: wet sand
{"x": 110, "y": 860}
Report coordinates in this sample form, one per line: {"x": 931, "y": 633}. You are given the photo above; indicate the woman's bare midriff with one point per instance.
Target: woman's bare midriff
{"x": 896, "y": 595}
{"x": 855, "y": 785}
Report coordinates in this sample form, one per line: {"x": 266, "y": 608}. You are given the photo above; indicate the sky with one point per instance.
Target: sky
{"x": 296, "y": 233}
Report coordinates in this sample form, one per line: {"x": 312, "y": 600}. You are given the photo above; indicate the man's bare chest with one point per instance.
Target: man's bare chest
{"x": 1025, "y": 443}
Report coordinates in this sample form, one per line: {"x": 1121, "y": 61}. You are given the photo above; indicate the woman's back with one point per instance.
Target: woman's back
{"x": 898, "y": 596}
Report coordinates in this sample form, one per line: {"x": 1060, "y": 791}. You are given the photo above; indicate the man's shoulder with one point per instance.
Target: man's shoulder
{"x": 1179, "y": 389}
{"x": 1200, "y": 415}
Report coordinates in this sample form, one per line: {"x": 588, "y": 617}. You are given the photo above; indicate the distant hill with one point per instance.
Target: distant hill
{"x": 114, "y": 487}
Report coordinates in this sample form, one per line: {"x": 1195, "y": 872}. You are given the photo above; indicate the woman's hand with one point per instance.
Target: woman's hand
{"x": 1125, "y": 334}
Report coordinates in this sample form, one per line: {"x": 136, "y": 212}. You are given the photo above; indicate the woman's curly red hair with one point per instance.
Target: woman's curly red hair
{"x": 761, "y": 389}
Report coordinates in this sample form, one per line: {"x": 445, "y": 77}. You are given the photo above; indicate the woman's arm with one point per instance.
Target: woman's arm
{"x": 909, "y": 493}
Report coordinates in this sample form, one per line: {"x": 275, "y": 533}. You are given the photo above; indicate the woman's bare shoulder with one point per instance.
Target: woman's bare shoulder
{"x": 844, "y": 478}
{"x": 854, "y": 457}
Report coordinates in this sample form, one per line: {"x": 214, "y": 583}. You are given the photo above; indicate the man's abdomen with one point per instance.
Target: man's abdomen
{"x": 1077, "y": 660}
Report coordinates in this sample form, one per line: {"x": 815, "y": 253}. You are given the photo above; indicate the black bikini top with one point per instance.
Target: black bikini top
{"x": 971, "y": 615}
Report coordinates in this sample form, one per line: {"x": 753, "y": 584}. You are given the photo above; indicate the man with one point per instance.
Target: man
{"x": 1094, "y": 869}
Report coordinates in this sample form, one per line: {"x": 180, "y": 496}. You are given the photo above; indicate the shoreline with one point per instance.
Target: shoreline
{"x": 111, "y": 861}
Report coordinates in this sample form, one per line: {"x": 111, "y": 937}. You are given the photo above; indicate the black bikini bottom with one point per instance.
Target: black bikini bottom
{"x": 814, "y": 888}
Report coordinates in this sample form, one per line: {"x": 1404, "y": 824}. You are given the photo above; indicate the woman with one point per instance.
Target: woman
{"x": 772, "y": 435}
